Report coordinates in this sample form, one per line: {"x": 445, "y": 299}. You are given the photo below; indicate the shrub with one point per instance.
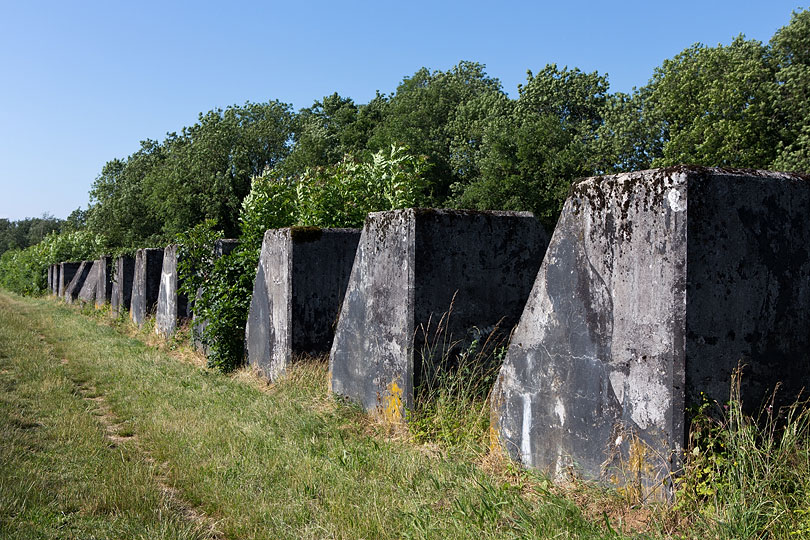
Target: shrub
{"x": 334, "y": 196}
{"x": 25, "y": 271}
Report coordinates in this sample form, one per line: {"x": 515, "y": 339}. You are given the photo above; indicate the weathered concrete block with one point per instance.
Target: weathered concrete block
{"x": 77, "y": 282}
{"x": 55, "y": 279}
{"x": 171, "y": 306}
{"x": 50, "y": 278}
{"x": 145, "y": 283}
{"x": 87, "y": 293}
{"x": 655, "y": 285}
{"x": 67, "y": 270}
{"x": 300, "y": 282}
{"x": 411, "y": 265}
{"x": 198, "y": 324}
{"x": 123, "y": 276}
{"x": 104, "y": 275}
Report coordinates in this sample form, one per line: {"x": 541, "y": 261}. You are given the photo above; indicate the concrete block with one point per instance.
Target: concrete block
{"x": 198, "y": 324}
{"x": 145, "y": 284}
{"x": 66, "y": 272}
{"x": 104, "y": 281}
{"x": 123, "y": 276}
{"x": 654, "y": 286}
{"x": 411, "y": 265}
{"x": 87, "y": 293}
{"x": 77, "y": 282}
{"x": 50, "y": 278}
{"x": 300, "y": 282}
{"x": 172, "y": 307}
{"x": 55, "y": 279}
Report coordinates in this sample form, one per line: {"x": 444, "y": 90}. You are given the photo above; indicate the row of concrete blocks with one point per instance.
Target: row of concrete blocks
{"x": 143, "y": 285}
{"x": 653, "y": 288}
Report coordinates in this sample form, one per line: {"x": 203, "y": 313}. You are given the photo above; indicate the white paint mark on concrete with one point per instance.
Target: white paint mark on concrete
{"x": 525, "y": 436}
{"x": 675, "y": 202}
{"x": 559, "y": 410}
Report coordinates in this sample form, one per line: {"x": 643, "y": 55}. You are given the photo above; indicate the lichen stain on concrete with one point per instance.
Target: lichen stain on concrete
{"x": 392, "y": 403}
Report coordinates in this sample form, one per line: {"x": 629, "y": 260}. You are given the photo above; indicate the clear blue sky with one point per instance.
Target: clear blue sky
{"x": 84, "y": 82}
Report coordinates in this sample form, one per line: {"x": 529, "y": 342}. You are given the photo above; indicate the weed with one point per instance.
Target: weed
{"x": 744, "y": 476}
{"x": 453, "y": 384}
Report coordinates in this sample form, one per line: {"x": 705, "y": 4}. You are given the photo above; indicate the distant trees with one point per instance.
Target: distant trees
{"x": 26, "y": 232}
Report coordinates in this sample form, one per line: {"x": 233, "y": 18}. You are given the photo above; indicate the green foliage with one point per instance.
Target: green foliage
{"x": 26, "y": 232}
{"x": 195, "y": 257}
{"x": 531, "y": 149}
{"x": 202, "y": 173}
{"x": 421, "y": 114}
{"x": 337, "y": 195}
{"x": 455, "y": 377}
{"x": 25, "y": 271}
{"x": 791, "y": 51}
{"x": 224, "y": 305}
{"x": 716, "y": 105}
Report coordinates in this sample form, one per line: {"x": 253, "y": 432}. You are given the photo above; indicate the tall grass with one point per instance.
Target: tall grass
{"x": 746, "y": 477}
{"x": 454, "y": 379}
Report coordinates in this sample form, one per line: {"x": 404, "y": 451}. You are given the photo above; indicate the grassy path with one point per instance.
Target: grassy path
{"x": 102, "y": 436}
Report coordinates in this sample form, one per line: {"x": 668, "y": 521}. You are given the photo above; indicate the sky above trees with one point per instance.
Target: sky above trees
{"x": 85, "y": 83}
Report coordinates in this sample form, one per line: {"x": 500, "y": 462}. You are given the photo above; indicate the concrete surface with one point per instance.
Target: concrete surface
{"x": 87, "y": 293}
{"x": 172, "y": 307}
{"x": 300, "y": 282}
{"x": 145, "y": 284}
{"x": 654, "y": 286}
{"x": 73, "y": 288}
{"x": 104, "y": 281}
{"x": 123, "y": 276}
{"x": 66, "y": 272}
{"x": 411, "y": 265}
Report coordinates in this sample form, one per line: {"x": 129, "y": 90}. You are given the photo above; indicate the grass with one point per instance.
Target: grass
{"x": 747, "y": 477}
{"x": 107, "y": 431}
{"x": 177, "y": 451}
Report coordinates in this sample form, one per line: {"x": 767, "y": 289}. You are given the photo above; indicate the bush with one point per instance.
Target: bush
{"x": 25, "y": 271}
{"x": 334, "y": 196}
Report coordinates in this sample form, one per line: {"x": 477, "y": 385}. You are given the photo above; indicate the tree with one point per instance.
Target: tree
{"x": 532, "y": 148}
{"x": 791, "y": 53}
{"x": 421, "y": 112}
{"x": 716, "y": 106}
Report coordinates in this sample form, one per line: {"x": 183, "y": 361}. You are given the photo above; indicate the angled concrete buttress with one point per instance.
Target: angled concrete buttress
{"x": 123, "y": 276}
{"x": 300, "y": 282}
{"x": 66, "y": 272}
{"x": 104, "y": 272}
{"x": 87, "y": 293}
{"x": 655, "y": 285}
{"x": 55, "y": 281}
{"x": 411, "y": 265}
{"x": 172, "y": 307}
{"x": 77, "y": 282}
{"x": 145, "y": 284}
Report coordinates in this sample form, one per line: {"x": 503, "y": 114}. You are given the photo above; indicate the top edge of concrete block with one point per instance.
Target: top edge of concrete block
{"x": 308, "y": 234}
{"x": 152, "y": 250}
{"x": 452, "y": 212}
{"x": 680, "y": 173}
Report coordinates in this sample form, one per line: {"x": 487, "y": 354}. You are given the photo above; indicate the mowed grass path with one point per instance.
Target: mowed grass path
{"x": 102, "y": 436}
